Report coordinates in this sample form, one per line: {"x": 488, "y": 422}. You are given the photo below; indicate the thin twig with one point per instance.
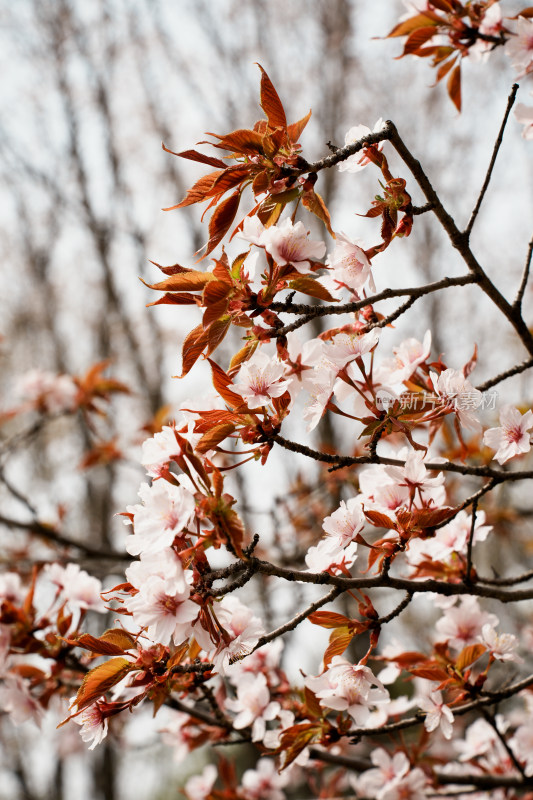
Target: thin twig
{"x": 475, "y": 212}
{"x": 470, "y": 543}
{"x": 525, "y": 276}
{"x": 508, "y": 373}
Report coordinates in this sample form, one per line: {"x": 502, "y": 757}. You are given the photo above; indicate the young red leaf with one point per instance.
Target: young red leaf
{"x": 313, "y": 288}
{"x": 468, "y": 655}
{"x": 407, "y": 26}
{"x": 338, "y": 642}
{"x": 241, "y": 141}
{"x": 296, "y": 129}
{"x": 216, "y": 332}
{"x": 454, "y": 87}
{"x": 193, "y": 346}
{"x": 379, "y": 520}
{"x": 416, "y": 39}
{"x": 183, "y": 281}
{"x": 221, "y": 220}
{"x": 198, "y": 192}
{"x": 194, "y": 155}
{"x": 315, "y": 204}
{"x": 213, "y": 437}
{"x": 99, "y": 680}
{"x": 328, "y": 619}
{"x": 270, "y": 102}
{"x": 221, "y": 382}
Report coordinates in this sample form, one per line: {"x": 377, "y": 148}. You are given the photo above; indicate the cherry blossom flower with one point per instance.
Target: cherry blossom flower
{"x": 93, "y": 724}
{"x": 346, "y": 522}
{"x": 264, "y": 782}
{"x": 491, "y": 25}
{"x": 302, "y": 360}
{"x": 462, "y": 625}
{"x": 253, "y": 705}
{"x": 346, "y": 347}
{"x": 455, "y": 390}
{"x": 199, "y": 786}
{"x": 265, "y": 659}
{"x": 180, "y": 735}
{"x": 162, "y": 605}
{"x": 49, "y": 392}
{"x": 11, "y": 588}
{"x": 387, "y": 488}
{"x": 288, "y": 244}
{"x": 320, "y": 386}
{"x": 501, "y": 646}
{"x": 407, "y": 356}
{"x": 166, "y": 510}
{"x": 522, "y": 745}
{"x": 252, "y": 230}
{"x": 511, "y": 438}
{"x": 261, "y": 379}
{"x": 451, "y": 538}
{"x": 81, "y": 590}
{"x": 376, "y": 782}
{"x": 359, "y": 160}
{"x": 391, "y": 779}
{"x": 519, "y": 48}
{"x": 480, "y": 739}
{"x": 348, "y": 687}
{"x": 242, "y": 628}
{"x": 17, "y": 700}
{"x": 438, "y": 714}
{"x": 157, "y": 451}
{"x": 329, "y": 556}
{"x": 524, "y": 115}
{"x": 349, "y": 265}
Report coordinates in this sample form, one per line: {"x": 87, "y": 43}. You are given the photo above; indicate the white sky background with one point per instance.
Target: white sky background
{"x": 206, "y": 80}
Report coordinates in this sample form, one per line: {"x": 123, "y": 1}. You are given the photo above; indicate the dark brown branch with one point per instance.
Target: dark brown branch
{"x": 342, "y": 153}
{"x": 295, "y": 621}
{"x": 508, "y": 373}
{"x": 479, "y": 781}
{"x": 45, "y": 532}
{"x": 499, "y": 476}
{"x": 460, "y": 240}
{"x": 475, "y": 212}
{"x": 385, "y": 581}
{"x": 525, "y": 276}
{"x": 470, "y": 543}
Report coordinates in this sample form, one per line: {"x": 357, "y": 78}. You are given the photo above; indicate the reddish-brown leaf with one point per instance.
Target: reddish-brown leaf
{"x": 313, "y": 288}
{"x": 181, "y": 299}
{"x": 216, "y": 332}
{"x": 221, "y": 220}
{"x": 193, "y": 346}
{"x": 241, "y": 356}
{"x": 315, "y": 204}
{"x": 232, "y": 176}
{"x": 221, "y": 382}
{"x": 215, "y": 291}
{"x": 378, "y": 519}
{"x": 430, "y": 673}
{"x": 407, "y": 26}
{"x": 416, "y": 39}
{"x": 443, "y": 5}
{"x": 296, "y": 739}
{"x": 468, "y": 655}
{"x": 526, "y": 12}
{"x": 214, "y": 312}
{"x": 198, "y": 192}
{"x": 270, "y": 102}
{"x": 443, "y": 70}
{"x": 99, "y": 680}
{"x": 183, "y": 281}
{"x": 213, "y": 437}
{"x": 194, "y": 155}
{"x": 328, "y": 619}
{"x": 241, "y": 141}
{"x": 454, "y": 87}
{"x": 296, "y": 129}
{"x": 338, "y": 642}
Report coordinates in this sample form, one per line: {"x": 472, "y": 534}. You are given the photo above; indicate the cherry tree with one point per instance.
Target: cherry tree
{"x": 396, "y": 527}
